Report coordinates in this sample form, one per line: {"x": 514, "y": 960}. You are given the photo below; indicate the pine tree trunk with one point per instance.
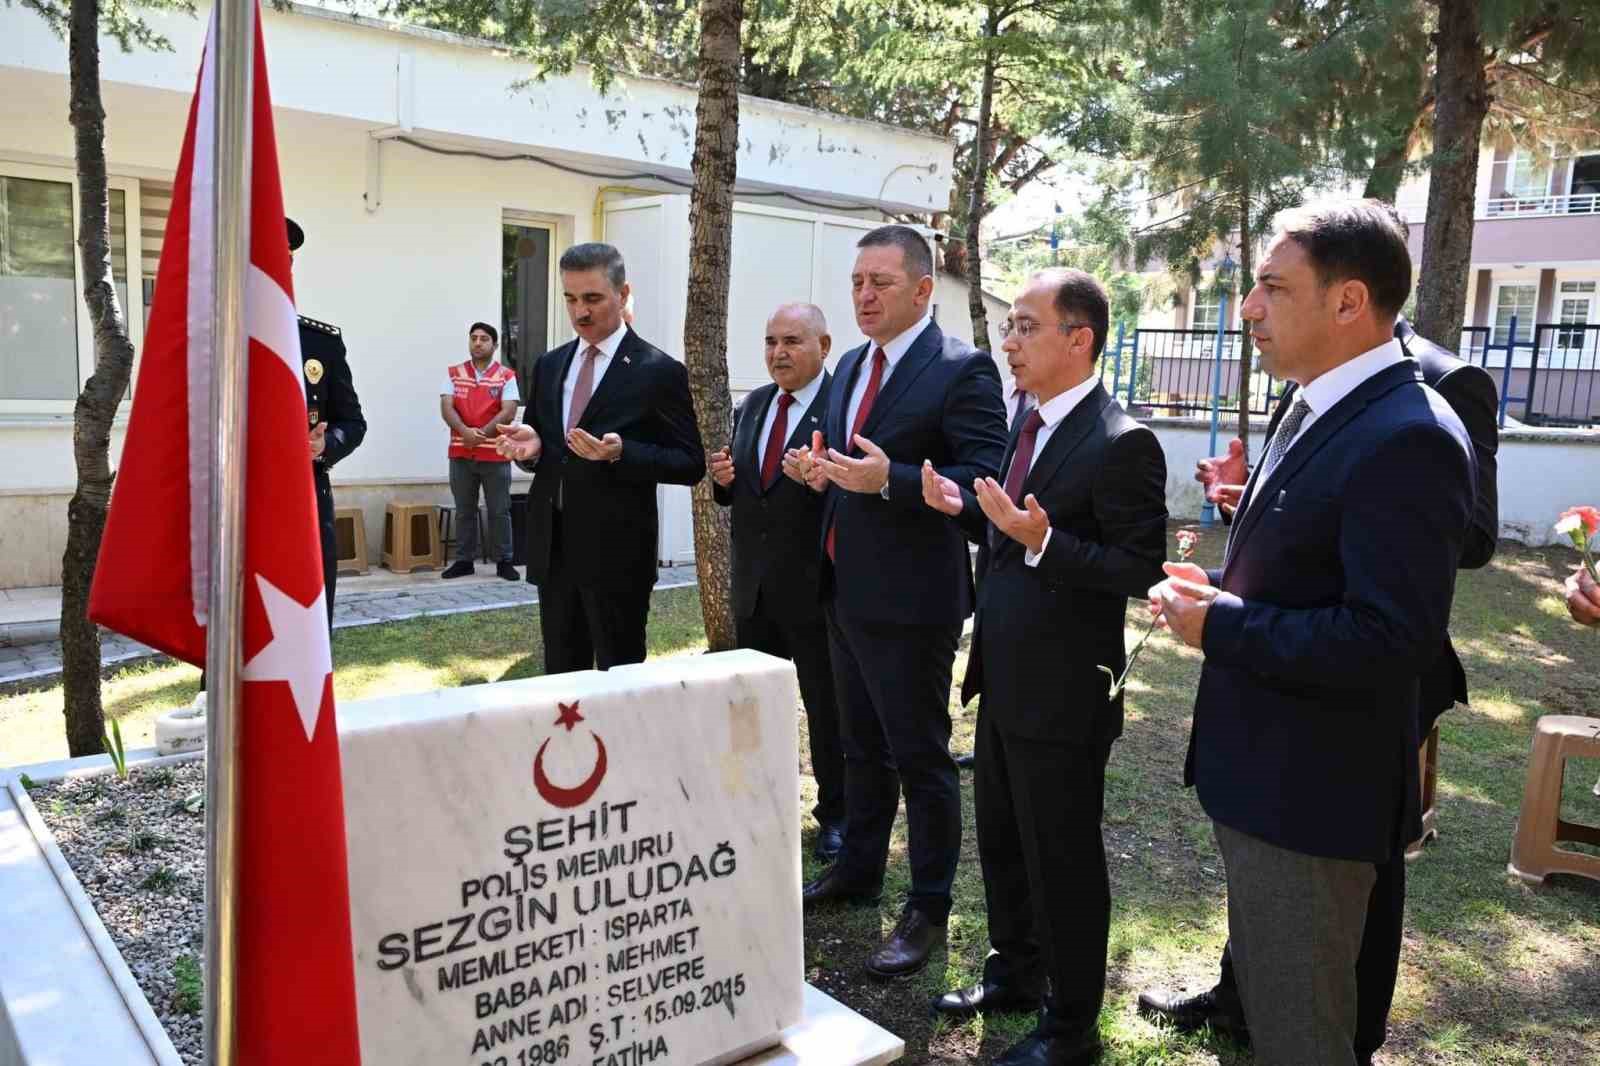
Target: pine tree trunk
{"x": 980, "y": 182}
{"x": 1246, "y": 266}
{"x": 1461, "y": 102}
{"x": 705, "y": 326}
{"x": 97, "y": 403}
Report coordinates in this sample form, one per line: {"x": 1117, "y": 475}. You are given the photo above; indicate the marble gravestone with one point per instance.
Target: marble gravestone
{"x": 593, "y": 868}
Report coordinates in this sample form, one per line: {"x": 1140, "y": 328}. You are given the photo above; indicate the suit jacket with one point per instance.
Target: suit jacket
{"x": 774, "y": 530}
{"x": 898, "y": 560}
{"x": 1471, "y": 394}
{"x": 331, "y": 398}
{"x": 1042, "y": 632}
{"x": 1337, "y": 583}
{"x": 609, "y": 517}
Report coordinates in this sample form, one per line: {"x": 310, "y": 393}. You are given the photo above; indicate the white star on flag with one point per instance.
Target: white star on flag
{"x": 298, "y": 652}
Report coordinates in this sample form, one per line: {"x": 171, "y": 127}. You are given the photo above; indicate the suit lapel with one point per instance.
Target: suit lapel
{"x": 747, "y": 449}
{"x": 553, "y": 396}
{"x": 1310, "y": 442}
{"x": 614, "y": 383}
{"x": 814, "y": 416}
{"x": 911, "y": 365}
{"x": 1072, "y": 431}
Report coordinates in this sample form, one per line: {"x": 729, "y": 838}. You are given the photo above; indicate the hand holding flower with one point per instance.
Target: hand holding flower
{"x": 1186, "y": 580}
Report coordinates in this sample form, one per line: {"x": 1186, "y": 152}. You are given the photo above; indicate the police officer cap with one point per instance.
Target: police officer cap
{"x": 297, "y": 236}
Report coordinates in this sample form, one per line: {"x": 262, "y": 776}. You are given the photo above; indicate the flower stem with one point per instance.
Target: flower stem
{"x": 1134, "y": 654}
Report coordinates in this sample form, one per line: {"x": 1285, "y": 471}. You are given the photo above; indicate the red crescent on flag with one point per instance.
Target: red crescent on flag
{"x": 569, "y": 797}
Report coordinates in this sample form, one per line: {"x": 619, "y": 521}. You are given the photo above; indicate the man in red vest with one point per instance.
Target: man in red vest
{"x": 479, "y": 396}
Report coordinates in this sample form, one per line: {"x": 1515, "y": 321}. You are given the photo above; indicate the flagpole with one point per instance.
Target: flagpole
{"x": 232, "y": 69}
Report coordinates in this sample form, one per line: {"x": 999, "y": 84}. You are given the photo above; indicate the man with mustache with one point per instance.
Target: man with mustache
{"x": 609, "y": 419}
{"x": 776, "y": 522}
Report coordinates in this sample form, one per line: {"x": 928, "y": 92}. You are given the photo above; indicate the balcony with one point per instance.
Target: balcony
{"x": 1537, "y": 206}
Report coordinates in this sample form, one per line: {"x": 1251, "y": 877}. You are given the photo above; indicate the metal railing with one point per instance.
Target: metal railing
{"x": 1517, "y": 206}
{"x": 1169, "y": 372}
{"x": 1548, "y": 378}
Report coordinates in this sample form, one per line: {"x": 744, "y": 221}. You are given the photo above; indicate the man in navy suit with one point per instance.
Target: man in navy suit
{"x": 896, "y": 580}
{"x": 1471, "y": 394}
{"x": 609, "y": 418}
{"x": 1333, "y": 597}
{"x": 776, "y": 523}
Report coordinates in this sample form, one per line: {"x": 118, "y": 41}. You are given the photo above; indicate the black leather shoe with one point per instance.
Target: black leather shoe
{"x": 830, "y": 838}
{"x": 459, "y": 568}
{"x": 1220, "y": 1010}
{"x": 1036, "y": 1050}
{"x": 832, "y": 888}
{"x": 908, "y": 947}
{"x": 984, "y": 997}
{"x": 967, "y": 761}
{"x": 507, "y": 571}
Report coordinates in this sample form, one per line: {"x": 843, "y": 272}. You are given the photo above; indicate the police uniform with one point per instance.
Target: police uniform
{"x": 331, "y": 398}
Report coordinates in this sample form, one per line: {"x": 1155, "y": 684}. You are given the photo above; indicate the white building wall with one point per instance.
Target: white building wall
{"x": 404, "y": 245}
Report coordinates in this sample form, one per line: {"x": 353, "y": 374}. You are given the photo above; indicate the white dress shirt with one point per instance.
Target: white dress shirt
{"x": 802, "y": 401}
{"x": 891, "y": 358}
{"x": 1011, "y": 392}
{"x": 608, "y": 349}
{"x": 1327, "y": 390}
{"x": 1054, "y": 411}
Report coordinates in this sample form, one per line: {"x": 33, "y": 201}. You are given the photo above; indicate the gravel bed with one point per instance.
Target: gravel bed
{"x": 140, "y": 855}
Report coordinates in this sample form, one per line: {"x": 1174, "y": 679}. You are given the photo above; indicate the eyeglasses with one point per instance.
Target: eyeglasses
{"x": 1027, "y": 328}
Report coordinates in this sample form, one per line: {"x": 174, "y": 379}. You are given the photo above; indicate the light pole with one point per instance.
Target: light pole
{"x": 1224, "y": 283}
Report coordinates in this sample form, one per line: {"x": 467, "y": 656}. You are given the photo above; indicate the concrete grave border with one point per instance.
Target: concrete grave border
{"x": 106, "y": 1019}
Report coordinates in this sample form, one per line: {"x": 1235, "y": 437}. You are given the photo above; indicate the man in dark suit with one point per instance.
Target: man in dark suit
{"x": 1078, "y": 527}
{"x": 1471, "y": 394}
{"x": 896, "y": 579}
{"x": 609, "y": 419}
{"x": 776, "y": 522}
{"x": 333, "y": 414}
{"x": 1017, "y": 404}
{"x": 1332, "y": 600}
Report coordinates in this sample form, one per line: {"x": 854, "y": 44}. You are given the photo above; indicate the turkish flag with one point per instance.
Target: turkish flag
{"x": 294, "y": 994}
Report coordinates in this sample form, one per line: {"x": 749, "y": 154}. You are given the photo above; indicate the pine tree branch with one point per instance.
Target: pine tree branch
{"x": 1044, "y": 164}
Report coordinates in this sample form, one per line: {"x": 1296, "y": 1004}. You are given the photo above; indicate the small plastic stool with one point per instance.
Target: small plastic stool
{"x": 410, "y": 539}
{"x": 350, "y": 540}
{"x": 1534, "y": 851}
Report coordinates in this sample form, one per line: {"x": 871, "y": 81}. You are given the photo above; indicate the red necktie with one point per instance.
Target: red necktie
{"x": 1022, "y": 458}
{"x": 772, "y": 458}
{"x": 879, "y": 360}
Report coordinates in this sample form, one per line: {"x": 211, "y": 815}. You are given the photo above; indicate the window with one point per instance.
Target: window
{"x": 525, "y": 280}
{"x": 1583, "y": 191}
{"x": 1204, "y": 309}
{"x": 1575, "y": 309}
{"x": 46, "y": 336}
{"x": 1514, "y": 300}
{"x": 38, "y": 291}
{"x": 1526, "y": 180}
{"x": 155, "y": 203}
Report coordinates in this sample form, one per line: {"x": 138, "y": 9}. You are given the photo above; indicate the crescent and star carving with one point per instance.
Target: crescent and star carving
{"x": 579, "y": 794}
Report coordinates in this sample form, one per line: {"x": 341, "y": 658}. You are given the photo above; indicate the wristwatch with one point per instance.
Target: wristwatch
{"x": 884, "y": 492}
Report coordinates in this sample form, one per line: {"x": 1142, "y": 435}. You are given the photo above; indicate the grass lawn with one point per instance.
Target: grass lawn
{"x": 1493, "y": 972}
